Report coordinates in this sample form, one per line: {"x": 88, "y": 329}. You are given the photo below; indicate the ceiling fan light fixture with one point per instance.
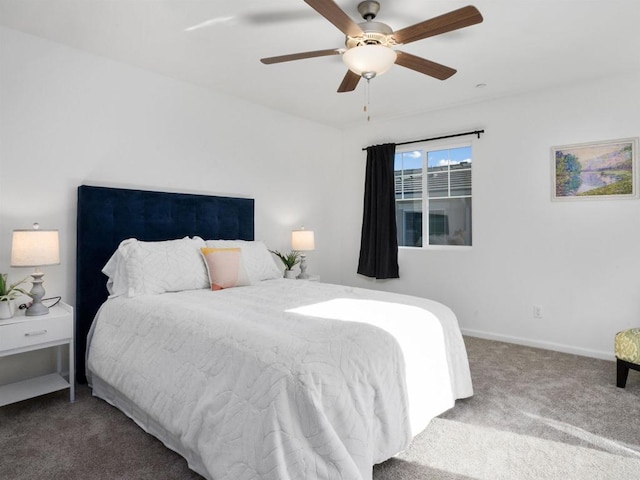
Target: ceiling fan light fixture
{"x": 372, "y": 60}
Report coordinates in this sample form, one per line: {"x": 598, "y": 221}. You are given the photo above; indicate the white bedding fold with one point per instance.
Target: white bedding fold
{"x": 285, "y": 379}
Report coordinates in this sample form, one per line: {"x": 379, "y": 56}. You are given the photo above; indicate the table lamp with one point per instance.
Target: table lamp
{"x": 35, "y": 248}
{"x": 302, "y": 241}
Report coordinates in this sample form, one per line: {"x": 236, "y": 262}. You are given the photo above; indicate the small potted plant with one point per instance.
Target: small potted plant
{"x": 8, "y": 293}
{"x": 289, "y": 260}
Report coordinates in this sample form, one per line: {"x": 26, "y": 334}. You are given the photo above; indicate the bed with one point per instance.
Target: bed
{"x": 278, "y": 379}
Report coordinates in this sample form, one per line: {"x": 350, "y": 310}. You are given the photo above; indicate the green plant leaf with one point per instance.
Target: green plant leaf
{"x": 9, "y": 292}
{"x": 289, "y": 260}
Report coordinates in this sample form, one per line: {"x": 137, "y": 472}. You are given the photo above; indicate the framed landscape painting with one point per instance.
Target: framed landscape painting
{"x": 598, "y": 170}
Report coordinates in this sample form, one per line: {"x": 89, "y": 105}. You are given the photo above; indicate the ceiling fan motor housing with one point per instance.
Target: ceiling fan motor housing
{"x": 374, "y": 33}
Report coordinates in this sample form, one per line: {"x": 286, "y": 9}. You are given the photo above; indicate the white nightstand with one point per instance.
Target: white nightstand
{"x": 312, "y": 278}
{"x": 24, "y": 334}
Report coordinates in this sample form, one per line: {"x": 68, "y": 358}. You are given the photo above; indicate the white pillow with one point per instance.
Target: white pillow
{"x": 116, "y": 271}
{"x": 144, "y": 268}
{"x": 258, "y": 261}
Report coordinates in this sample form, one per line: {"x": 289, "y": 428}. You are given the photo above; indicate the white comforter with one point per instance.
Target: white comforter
{"x": 283, "y": 380}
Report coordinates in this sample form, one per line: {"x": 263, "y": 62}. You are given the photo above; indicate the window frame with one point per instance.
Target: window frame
{"x": 429, "y": 147}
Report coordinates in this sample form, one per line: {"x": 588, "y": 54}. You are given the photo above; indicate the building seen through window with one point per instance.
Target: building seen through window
{"x": 444, "y": 193}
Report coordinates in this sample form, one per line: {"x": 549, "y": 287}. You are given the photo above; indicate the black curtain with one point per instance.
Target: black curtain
{"x": 379, "y": 241}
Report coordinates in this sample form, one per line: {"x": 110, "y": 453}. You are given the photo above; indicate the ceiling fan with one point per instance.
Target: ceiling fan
{"x": 369, "y": 44}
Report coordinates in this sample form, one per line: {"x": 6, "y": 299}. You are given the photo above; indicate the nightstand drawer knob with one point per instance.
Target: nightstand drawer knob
{"x": 33, "y": 334}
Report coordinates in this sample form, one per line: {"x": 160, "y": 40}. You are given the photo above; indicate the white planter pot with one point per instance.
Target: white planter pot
{"x": 7, "y": 309}
{"x": 289, "y": 274}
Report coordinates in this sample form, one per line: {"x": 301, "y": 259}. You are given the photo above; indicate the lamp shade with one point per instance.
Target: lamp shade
{"x": 302, "y": 240}
{"x": 364, "y": 59}
{"x": 35, "y": 248}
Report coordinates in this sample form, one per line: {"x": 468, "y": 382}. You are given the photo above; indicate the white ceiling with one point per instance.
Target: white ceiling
{"x": 522, "y": 45}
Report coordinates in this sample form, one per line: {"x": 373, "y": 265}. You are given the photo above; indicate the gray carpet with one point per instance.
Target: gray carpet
{"x": 536, "y": 414}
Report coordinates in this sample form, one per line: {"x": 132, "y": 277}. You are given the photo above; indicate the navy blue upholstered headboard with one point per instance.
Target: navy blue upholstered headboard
{"x": 106, "y": 216}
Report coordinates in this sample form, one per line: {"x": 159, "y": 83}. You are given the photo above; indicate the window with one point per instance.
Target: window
{"x": 444, "y": 192}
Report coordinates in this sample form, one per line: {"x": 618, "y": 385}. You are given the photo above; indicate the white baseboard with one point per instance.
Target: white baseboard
{"x": 558, "y": 347}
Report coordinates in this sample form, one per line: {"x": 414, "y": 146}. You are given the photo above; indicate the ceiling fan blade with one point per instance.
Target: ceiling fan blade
{"x": 300, "y": 56}
{"x": 332, "y": 12}
{"x": 423, "y": 65}
{"x": 349, "y": 82}
{"x": 463, "y": 17}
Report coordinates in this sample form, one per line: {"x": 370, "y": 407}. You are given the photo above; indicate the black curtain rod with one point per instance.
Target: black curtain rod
{"x": 475, "y": 132}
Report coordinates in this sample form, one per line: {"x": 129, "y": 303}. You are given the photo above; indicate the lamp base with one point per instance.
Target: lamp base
{"x": 36, "y": 309}
{"x": 303, "y": 268}
{"x": 37, "y": 293}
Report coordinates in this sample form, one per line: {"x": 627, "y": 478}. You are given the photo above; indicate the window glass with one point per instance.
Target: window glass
{"x": 408, "y": 180}
{"x": 448, "y": 188}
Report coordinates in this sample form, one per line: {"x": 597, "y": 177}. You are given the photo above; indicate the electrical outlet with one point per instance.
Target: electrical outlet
{"x": 537, "y": 311}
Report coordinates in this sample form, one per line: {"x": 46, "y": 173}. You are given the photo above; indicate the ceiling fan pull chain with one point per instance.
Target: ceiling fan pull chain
{"x": 367, "y": 106}
{"x": 366, "y": 95}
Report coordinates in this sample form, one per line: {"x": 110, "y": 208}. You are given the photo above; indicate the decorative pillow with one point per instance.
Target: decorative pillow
{"x": 144, "y": 268}
{"x": 225, "y": 267}
{"x": 258, "y": 261}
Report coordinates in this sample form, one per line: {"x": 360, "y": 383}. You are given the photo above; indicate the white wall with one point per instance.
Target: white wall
{"x": 69, "y": 118}
{"x": 579, "y": 260}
